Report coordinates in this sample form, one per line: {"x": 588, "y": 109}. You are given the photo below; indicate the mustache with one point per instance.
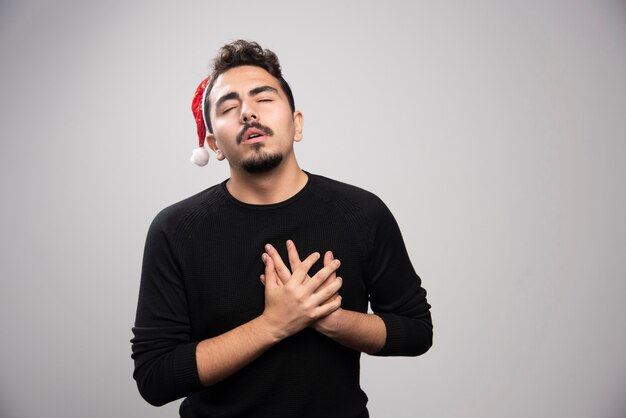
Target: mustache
{"x": 266, "y": 130}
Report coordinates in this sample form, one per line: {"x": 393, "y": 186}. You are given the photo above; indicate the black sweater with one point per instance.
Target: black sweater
{"x": 200, "y": 278}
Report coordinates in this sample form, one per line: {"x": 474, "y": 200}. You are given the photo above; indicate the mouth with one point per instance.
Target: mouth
{"x": 253, "y": 133}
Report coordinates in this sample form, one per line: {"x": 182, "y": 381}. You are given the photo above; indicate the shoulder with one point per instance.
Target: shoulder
{"x": 363, "y": 211}
{"x": 349, "y": 197}
{"x": 179, "y": 215}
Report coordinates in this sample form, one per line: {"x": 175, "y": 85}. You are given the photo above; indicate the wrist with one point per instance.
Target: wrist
{"x": 329, "y": 324}
{"x": 269, "y": 329}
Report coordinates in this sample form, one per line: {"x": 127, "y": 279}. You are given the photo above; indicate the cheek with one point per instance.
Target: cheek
{"x": 224, "y": 131}
{"x": 287, "y": 124}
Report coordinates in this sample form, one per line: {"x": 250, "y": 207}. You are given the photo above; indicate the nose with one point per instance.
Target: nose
{"x": 248, "y": 115}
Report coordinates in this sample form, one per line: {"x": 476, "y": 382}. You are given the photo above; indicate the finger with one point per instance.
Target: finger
{"x": 334, "y": 284}
{"x": 333, "y": 297}
{"x": 271, "y": 279}
{"x": 328, "y": 258}
{"x": 321, "y": 276}
{"x": 294, "y": 257}
{"x": 305, "y": 266}
{"x": 262, "y": 277}
{"x": 330, "y": 299}
{"x": 281, "y": 269}
{"x": 327, "y": 292}
{"x": 328, "y": 308}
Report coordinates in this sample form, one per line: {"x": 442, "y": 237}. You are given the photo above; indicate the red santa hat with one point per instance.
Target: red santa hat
{"x": 200, "y": 155}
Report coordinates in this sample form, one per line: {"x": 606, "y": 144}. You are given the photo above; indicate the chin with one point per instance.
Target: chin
{"x": 262, "y": 163}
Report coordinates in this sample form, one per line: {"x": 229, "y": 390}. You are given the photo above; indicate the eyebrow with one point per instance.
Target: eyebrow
{"x": 261, "y": 89}
{"x": 225, "y": 97}
{"x": 253, "y": 92}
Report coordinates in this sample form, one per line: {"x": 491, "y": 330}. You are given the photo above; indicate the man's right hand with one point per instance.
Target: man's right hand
{"x": 293, "y": 304}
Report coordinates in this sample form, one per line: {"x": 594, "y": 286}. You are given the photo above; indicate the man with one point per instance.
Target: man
{"x": 238, "y": 309}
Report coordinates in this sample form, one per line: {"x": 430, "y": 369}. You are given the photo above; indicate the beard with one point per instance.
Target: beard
{"x": 262, "y": 162}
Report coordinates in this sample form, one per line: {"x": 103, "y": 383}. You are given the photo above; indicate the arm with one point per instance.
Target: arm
{"x": 221, "y": 356}
{"x": 395, "y": 290}
{"x": 356, "y": 330}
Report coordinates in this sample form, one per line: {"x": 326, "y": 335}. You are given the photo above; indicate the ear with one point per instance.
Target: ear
{"x": 298, "y": 121}
{"x": 212, "y": 143}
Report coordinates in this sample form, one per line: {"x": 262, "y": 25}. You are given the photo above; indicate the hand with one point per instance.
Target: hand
{"x": 293, "y": 300}
{"x": 284, "y": 275}
{"x": 329, "y": 322}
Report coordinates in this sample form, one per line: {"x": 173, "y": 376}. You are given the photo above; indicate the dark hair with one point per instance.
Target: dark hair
{"x": 238, "y": 53}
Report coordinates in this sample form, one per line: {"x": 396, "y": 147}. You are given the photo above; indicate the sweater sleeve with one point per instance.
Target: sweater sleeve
{"x": 164, "y": 355}
{"x": 396, "y": 292}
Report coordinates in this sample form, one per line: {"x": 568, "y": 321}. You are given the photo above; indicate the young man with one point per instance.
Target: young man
{"x": 254, "y": 292}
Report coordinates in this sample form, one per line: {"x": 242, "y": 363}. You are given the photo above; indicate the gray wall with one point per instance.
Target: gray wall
{"x": 495, "y": 131}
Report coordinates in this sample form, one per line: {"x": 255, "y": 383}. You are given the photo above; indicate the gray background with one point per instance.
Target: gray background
{"x": 494, "y": 130}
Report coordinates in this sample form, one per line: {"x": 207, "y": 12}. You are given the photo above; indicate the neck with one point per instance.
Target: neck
{"x": 274, "y": 186}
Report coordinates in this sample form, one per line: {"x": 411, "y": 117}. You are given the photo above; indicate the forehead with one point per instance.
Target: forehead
{"x": 241, "y": 80}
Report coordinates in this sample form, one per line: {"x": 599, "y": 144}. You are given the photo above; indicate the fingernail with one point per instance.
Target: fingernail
{"x": 337, "y": 262}
{"x": 264, "y": 258}
{"x": 268, "y": 247}
{"x": 331, "y": 255}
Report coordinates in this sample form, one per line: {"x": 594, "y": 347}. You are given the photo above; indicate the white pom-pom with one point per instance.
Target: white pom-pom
{"x": 200, "y": 157}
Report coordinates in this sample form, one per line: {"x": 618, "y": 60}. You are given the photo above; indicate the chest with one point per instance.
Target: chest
{"x": 222, "y": 274}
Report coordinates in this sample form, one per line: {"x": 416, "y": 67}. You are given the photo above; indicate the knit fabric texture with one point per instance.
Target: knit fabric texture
{"x": 200, "y": 278}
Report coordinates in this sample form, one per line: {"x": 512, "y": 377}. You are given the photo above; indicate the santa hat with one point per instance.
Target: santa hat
{"x": 200, "y": 155}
